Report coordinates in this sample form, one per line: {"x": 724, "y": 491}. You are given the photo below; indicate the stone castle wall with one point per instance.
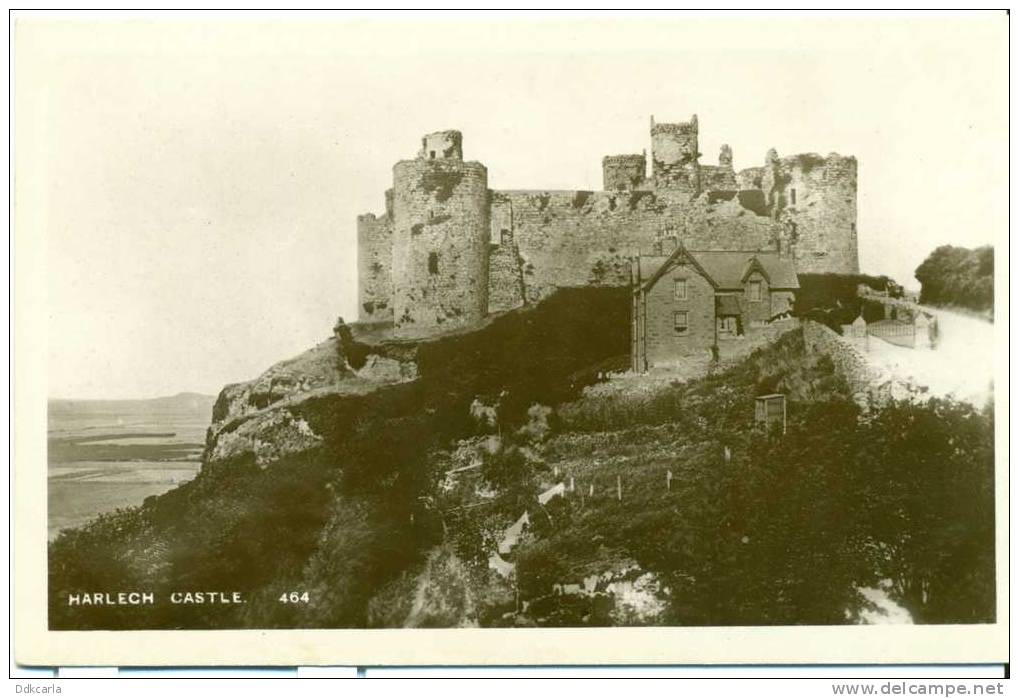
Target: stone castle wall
{"x": 583, "y": 238}
{"x": 375, "y": 268}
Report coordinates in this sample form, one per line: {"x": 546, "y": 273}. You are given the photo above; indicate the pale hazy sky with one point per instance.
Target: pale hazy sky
{"x": 197, "y": 185}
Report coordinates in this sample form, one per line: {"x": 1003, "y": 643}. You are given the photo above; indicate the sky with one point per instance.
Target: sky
{"x": 189, "y": 190}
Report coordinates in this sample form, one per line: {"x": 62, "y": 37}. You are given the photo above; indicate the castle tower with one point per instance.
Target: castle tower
{"x": 675, "y": 155}
{"x": 440, "y": 238}
{"x": 623, "y": 172}
{"x": 375, "y": 265}
{"x": 815, "y": 197}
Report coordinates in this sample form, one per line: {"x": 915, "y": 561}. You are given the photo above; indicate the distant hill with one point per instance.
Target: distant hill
{"x": 181, "y": 402}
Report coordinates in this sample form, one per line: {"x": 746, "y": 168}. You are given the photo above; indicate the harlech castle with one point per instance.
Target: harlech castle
{"x": 450, "y": 251}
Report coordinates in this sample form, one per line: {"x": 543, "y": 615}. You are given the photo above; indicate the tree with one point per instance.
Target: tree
{"x": 958, "y": 276}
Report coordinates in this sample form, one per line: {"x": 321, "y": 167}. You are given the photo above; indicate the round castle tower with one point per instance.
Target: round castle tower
{"x": 440, "y": 238}
{"x": 815, "y": 197}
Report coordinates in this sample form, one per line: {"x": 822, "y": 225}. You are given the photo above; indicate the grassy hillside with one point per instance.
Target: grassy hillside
{"x": 761, "y": 527}
{"x": 783, "y": 530}
{"x": 343, "y": 520}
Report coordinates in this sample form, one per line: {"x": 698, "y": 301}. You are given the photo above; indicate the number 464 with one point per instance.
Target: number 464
{"x": 294, "y": 597}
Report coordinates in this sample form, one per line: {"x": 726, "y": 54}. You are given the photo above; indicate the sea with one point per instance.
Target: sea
{"x": 106, "y": 455}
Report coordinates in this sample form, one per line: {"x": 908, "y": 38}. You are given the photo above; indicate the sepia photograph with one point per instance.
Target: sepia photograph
{"x": 544, "y": 327}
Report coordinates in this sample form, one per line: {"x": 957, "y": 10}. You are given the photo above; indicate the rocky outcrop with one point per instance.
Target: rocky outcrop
{"x": 258, "y": 418}
{"x": 320, "y": 367}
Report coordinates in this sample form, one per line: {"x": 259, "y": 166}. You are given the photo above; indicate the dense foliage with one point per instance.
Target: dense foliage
{"x": 790, "y": 527}
{"x": 958, "y": 276}
{"x": 833, "y": 300}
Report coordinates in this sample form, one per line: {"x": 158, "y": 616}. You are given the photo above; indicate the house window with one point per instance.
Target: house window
{"x": 852, "y": 228}
{"x": 432, "y": 155}
{"x": 792, "y": 196}
{"x": 681, "y": 322}
{"x": 679, "y": 290}
{"x": 433, "y": 262}
{"x": 755, "y": 291}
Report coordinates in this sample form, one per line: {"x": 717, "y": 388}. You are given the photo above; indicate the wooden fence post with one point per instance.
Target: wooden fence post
{"x": 619, "y": 487}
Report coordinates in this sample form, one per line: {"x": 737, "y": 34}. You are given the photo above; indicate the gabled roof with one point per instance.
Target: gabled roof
{"x": 726, "y": 270}
{"x": 680, "y": 253}
{"x": 730, "y": 269}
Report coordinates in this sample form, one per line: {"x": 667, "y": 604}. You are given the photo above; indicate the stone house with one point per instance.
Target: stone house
{"x": 687, "y": 303}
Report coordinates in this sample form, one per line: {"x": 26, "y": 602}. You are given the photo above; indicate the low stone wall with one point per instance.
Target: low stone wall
{"x": 848, "y": 358}
{"x": 897, "y": 308}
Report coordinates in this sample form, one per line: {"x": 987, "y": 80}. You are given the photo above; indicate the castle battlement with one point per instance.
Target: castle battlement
{"x": 449, "y": 251}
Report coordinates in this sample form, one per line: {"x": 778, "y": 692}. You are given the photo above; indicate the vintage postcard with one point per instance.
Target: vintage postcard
{"x": 510, "y": 340}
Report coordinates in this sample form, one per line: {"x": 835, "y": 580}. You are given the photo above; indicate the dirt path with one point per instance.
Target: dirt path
{"x": 962, "y": 365}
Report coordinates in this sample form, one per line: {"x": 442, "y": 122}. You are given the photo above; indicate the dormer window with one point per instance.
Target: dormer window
{"x": 754, "y": 291}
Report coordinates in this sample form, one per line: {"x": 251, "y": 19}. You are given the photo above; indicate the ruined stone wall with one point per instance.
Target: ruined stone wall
{"x": 717, "y": 178}
{"x": 623, "y": 172}
{"x": 374, "y": 268}
{"x": 750, "y": 178}
{"x": 664, "y": 344}
{"x": 440, "y": 244}
{"x": 814, "y": 197}
{"x": 818, "y": 196}
{"x": 505, "y": 279}
{"x": 442, "y": 145}
{"x": 581, "y": 238}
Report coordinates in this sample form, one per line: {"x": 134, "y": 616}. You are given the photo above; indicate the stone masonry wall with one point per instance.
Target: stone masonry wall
{"x": 580, "y": 238}
{"x": 717, "y": 178}
{"x": 623, "y": 172}
{"x": 663, "y": 343}
{"x": 849, "y": 361}
{"x": 374, "y": 268}
{"x": 814, "y": 197}
{"x": 505, "y": 279}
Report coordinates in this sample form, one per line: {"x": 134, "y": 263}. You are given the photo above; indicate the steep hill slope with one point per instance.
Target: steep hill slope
{"x": 375, "y": 480}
